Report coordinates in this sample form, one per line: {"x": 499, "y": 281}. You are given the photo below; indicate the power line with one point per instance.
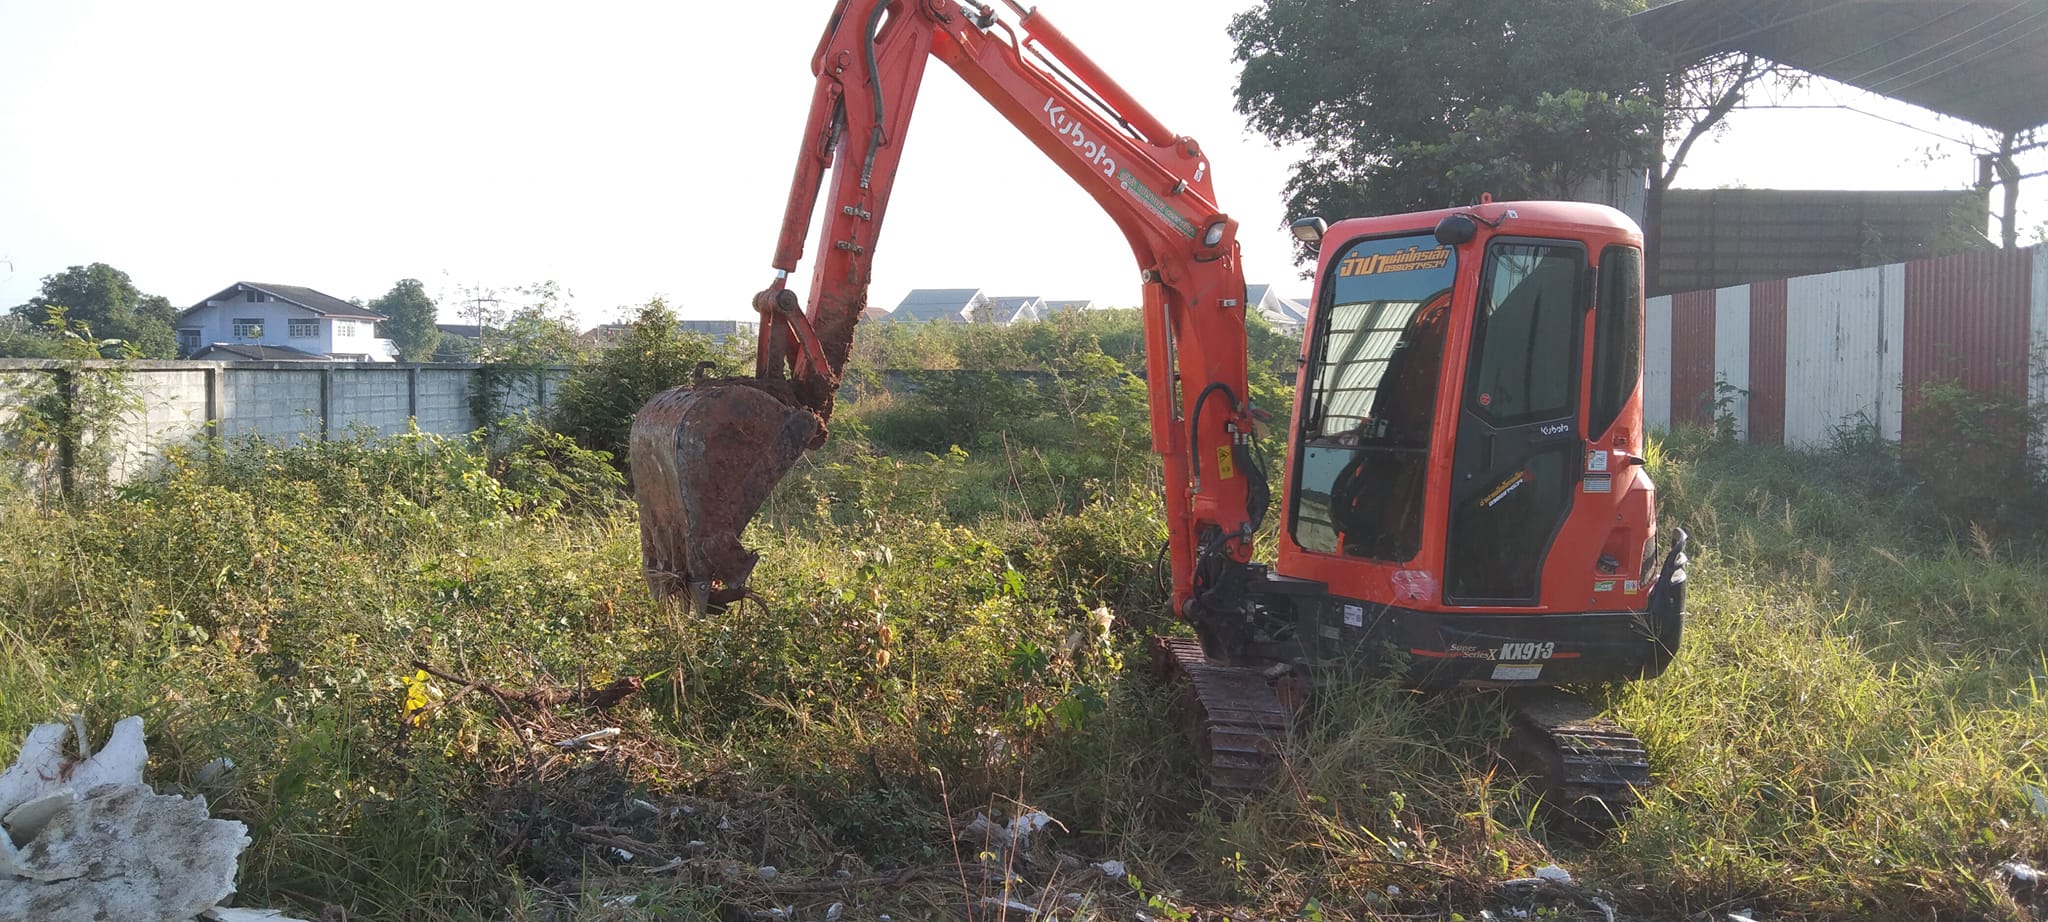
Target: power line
{"x": 1883, "y": 42}
{"x": 1729, "y": 41}
{"x": 1932, "y": 47}
{"x": 2039, "y": 26}
{"x": 1844, "y": 107}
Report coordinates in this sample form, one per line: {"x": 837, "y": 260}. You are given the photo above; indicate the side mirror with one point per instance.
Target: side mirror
{"x": 1456, "y": 230}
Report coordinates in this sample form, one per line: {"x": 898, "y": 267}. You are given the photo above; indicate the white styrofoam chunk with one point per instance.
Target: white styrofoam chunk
{"x": 125, "y": 852}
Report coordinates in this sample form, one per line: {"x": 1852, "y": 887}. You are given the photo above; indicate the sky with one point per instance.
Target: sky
{"x": 631, "y": 149}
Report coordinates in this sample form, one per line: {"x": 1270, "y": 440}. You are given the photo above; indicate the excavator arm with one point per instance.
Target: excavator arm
{"x": 705, "y": 457}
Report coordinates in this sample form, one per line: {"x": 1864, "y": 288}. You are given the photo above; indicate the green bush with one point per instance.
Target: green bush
{"x": 597, "y": 404}
{"x": 550, "y": 474}
{"x": 1972, "y": 450}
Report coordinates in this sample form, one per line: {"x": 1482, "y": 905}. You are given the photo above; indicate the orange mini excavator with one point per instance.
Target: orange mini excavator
{"x": 1464, "y": 482}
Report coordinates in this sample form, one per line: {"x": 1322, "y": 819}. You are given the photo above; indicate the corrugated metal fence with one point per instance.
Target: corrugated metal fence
{"x": 1790, "y": 362}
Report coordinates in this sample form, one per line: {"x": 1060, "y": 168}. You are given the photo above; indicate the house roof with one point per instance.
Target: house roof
{"x": 318, "y": 302}
{"x": 1983, "y": 61}
{"x": 871, "y": 313}
{"x": 937, "y": 304}
{"x": 1015, "y": 307}
{"x": 250, "y": 352}
{"x": 1279, "y": 310}
{"x": 1055, "y": 307}
{"x": 464, "y": 330}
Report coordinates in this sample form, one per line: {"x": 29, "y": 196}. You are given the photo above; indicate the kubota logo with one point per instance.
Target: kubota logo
{"x": 1097, "y": 154}
{"x": 1556, "y": 429}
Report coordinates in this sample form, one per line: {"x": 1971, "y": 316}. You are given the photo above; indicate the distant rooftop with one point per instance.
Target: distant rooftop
{"x": 250, "y": 352}
{"x": 316, "y": 301}
{"x": 926, "y": 304}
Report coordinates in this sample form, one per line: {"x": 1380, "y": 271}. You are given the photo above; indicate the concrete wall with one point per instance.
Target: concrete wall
{"x": 1812, "y": 354}
{"x": 178, "y": 402}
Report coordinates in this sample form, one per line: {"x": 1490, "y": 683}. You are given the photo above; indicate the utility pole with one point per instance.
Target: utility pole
{"x": 478, "y": 297}
{"x": 2009, "y": 177}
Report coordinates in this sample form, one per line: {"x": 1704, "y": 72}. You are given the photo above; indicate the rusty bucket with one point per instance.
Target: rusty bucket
{"x": 704, "y": 459}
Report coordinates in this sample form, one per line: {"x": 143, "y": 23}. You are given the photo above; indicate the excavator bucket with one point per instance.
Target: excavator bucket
{"x": 704, "y": 459}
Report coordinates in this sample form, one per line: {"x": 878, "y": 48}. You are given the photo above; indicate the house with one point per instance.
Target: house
{"x": 292, "y": 318}
{"x": 1012, "y": 309}
{"x": 460, "y": 342}
{"x": 718, "y": 331}
{"x": 1287, "y": 315}
{"x": 1061, "y": 307}
{"x": 940, "y": 305}
{"x": 871, "y": 313}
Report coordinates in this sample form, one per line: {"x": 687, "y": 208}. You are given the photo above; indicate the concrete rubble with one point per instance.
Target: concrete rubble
{"x": 82, "y": 838}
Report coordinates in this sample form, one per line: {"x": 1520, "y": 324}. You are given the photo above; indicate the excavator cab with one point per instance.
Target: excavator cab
{"x": 1466, "y": 473}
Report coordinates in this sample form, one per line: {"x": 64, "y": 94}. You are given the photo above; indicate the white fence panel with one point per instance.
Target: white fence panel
{"x": 1834, "y": 353}
{"x": 1657, "y": 362}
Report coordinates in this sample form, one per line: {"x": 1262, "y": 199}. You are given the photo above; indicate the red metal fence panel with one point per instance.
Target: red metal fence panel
{"x": 1692, "y": 358}
{"x": 1767, "y": 363}
{"x": 1966, "y": 321}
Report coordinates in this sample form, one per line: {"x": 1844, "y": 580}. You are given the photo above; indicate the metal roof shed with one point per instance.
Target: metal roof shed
{"x": 1982, "y": 61}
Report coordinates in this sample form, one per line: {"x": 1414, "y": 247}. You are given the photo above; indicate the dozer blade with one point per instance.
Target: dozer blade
{"x": 704, "y": 459}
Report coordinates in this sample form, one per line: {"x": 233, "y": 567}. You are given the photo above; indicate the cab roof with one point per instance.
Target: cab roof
{"x": 1539, "y": 219}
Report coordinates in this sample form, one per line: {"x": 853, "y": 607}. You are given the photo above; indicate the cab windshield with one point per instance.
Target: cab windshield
{"x": 1373, "y": 383}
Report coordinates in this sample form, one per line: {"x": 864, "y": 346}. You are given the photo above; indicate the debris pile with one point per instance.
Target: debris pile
{"x": 82, "y": 838}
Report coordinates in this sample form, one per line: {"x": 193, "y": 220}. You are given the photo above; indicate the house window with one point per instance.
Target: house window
{"x": 188, "y": 341}
{"x": 304, "y": 329}
{"x": 344, "y": 328}
{"x": 248, "y": 328}
{"x": 257, "y": 297}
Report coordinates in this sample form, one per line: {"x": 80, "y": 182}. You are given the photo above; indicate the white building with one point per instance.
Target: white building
{"x": 1287, "y": 315}
{"x": 282, "y": 323}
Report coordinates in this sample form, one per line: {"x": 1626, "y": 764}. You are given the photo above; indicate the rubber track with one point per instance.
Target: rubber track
{"x": 1590, "y": 769}
{"x": 1237, "y": 723}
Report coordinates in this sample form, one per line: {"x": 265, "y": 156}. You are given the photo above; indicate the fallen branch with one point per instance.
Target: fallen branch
{"x": 545, "y": 698}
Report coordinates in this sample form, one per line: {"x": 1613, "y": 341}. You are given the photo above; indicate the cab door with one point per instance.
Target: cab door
{"x": 1515, "y": 469}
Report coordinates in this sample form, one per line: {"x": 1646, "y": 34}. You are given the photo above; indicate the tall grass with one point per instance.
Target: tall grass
{"x": 1848, "y": 733}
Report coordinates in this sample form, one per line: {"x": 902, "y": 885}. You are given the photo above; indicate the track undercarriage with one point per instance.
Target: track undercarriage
{"x": 1587, "y": 768}
{"x": 1239, "y": 688}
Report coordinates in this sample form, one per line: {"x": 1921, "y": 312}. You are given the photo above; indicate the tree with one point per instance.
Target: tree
{"x": 412, "y": 325}
{"x": 597, "y": 404}
{"x": 105, "y": 300}
{"x": 540, "y": 332}
{"x": 1406, "y": 106}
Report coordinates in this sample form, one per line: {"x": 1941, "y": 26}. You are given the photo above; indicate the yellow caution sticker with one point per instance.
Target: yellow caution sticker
{"x": 1224, "y": 465}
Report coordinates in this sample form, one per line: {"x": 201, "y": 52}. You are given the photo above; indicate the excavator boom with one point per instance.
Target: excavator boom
{"x": 705, "y": 457}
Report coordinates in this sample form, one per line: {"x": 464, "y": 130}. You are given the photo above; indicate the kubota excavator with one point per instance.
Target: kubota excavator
{"x": 1464, "y": 500}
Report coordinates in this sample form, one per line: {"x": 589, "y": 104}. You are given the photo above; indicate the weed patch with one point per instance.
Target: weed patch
{"x": 1850, "y": 732}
